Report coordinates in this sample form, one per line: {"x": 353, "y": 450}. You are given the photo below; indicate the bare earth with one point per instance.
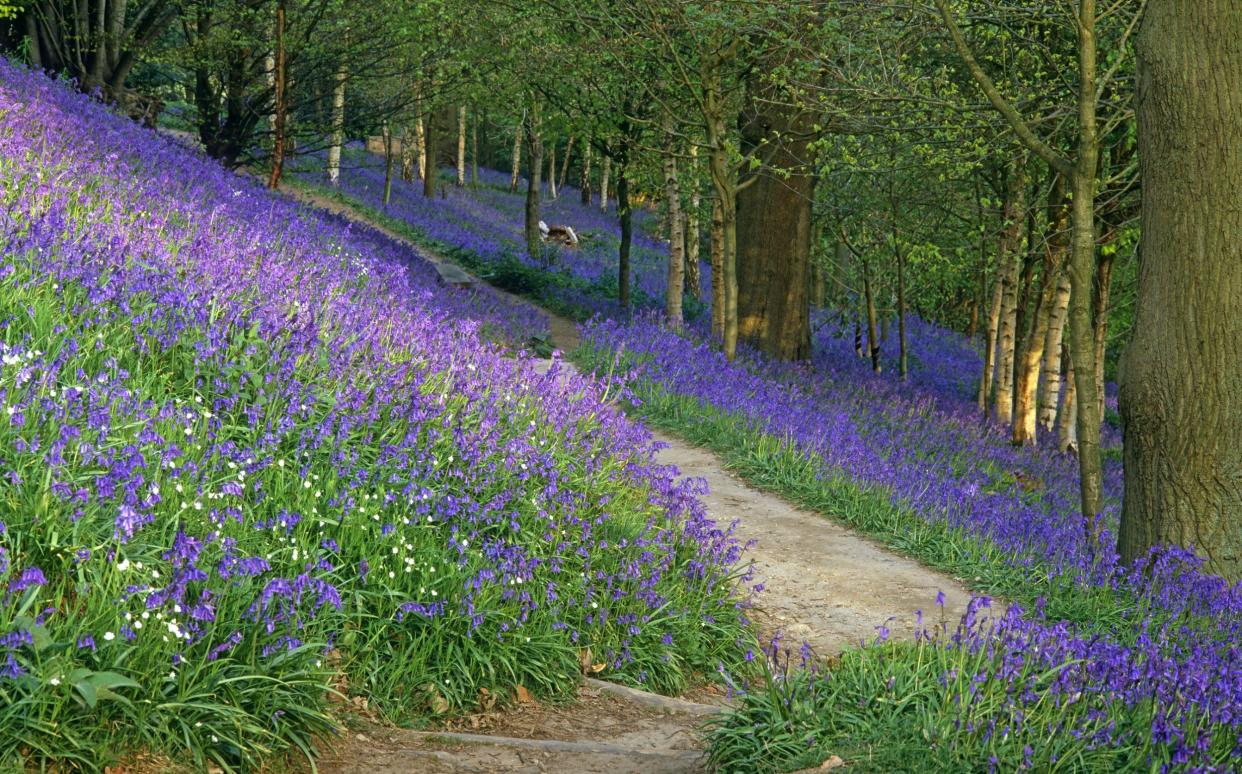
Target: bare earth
{"x": 823, "y": 585}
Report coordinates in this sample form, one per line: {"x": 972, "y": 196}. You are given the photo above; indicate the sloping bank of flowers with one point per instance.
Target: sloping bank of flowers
{"x": 250, "y": 459}
{"x": 1095, "y": 666}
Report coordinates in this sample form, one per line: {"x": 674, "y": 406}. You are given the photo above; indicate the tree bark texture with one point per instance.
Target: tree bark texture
{"x": 338, "y": 124}
{"x": 461, "y": 146}
{"x": 584, "y": 187}
{"x": 516, "y": 175}
{"x": 603, "y": 183}
{"x": 1050, "y": 392}
{"x": 717, "y": 261}
{"x": 1010, "y": 259}
{"x": 279, "y": 117}
{"x": 1181, "y": 375}
{"x": 534, "y": 145}
{"x": 676, "y": 238}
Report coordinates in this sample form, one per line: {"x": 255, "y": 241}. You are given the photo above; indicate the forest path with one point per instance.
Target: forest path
{"x": 823, "y": 585}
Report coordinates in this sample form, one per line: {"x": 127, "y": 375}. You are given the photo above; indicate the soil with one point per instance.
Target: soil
{"x": 823, "y": 585}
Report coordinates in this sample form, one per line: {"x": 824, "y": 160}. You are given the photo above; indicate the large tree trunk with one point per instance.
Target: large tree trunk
{"x": 534, "y": 144}
{"x": 1011, "y": 261}
{"x": 1181, "y": 377}
{"x": 280, "y": 115}
{"x": 1050, "y": 393}
{"x": 676, "y": 238}
{"x": 774, "y": 235}
{"x": 517, "y": 155}
{"x": 461, "y": 146}
{"x": 717, "y": 259}
{"x": 338, "y": 124}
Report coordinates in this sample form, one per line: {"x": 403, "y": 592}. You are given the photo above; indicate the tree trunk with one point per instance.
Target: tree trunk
{"x": 717, "y": 259}
{"x": 461, "y": 146}
{"x": 387, "y": 134}
{"x": 989, "y": 354}
{"x": 693, "y": 279}
{"x": 1181, "y": 376}
{"x": 676, "y": 238}
{"x": 1082, "y": 267}
{"x": 585, "y": 183}
{"x": 774, "y": 235}
{"x": 1067, "y": 422}
{"x": 1011, "y": 260}
{"x": 407, "y": 154}
{"x": 534, "y": 143}
{"x": 338, "y": 124}
{"x": 1026, "y": 389}
{"x": 627, "y": 237}
{"x": 279, "y": 116}
{"x": 517, "y": 154}
{"x": 603, "y": 183}
{"x": 1100, "y": 310}
{"x": 1051, "y": 391}
{"x": 872, "y": 341}
{"x": 903, "y": 367}
{"x": 430, "y": 154}
{"x": 552, "y": 170}
{"x": 569, "y": 149}
{"x": 420, "y": 142}
{"x": 474, "y": 151}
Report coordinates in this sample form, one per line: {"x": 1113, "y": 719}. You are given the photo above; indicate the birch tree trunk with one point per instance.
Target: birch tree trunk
{"x": 420, "y": 143}
{"x": 693, "y": 237}
{"x": 1103, "y": 287}
{"x": 431, "y": 154}
{"x": 407, "y": 154}
{"x": 387, "y": 134}
{"x": 1011, "y": 260}
{"x": 552, "y": 170}
{"x": 1050, "y": 393}
{"x": 1067, "y": 421}
{"x": 338, "y": 124}
{"x": 989, "y": 354}
{"x": 461, "y": 146}
{"x": 1181, "y": 376}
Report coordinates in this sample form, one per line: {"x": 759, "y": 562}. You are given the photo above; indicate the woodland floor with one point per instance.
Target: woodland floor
{"x": 823, "y": 584}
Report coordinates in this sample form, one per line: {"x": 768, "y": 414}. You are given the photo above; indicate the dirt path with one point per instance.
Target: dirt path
{"x": 823, "y": 585}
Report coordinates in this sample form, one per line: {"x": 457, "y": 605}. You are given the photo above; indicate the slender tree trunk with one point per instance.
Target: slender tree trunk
{"x": 585, "y": 184}
{"x": 989, "y": 354}
{"x": 903, "y": 362}
{"x": 1081, "y": 270}
{"x": 461, "y": 146}
{"x": 517, "y": 154}
{"x": 407, "y": 154}
{"x": 627, "y": 236}
{"x": 569, "y": 149}
{"x": 1051, "y": 390}
{"x": 279, "y": 117}
{"x": 534, "y": 144}
{"x": 552, "y": 170}
{"x": 676, "y": 238}
{"x": 871, "y": 328}
{"x": 693, "y": 279}
{"x": 1067, "y": 422}
{"x": 1103, "y": 286}
{"x": 474, "y": 150}
{"x": 1181, "y": 375}
{"x": 387, "y": 134}
{"x": 1011, "y": 259}
{"x": 603, "y": 183}
{"x": 717, "y": 259}
{"x": 338, "y": 124}
{"x": 430, "y": 154}
{"x": 1027, "y": 388}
